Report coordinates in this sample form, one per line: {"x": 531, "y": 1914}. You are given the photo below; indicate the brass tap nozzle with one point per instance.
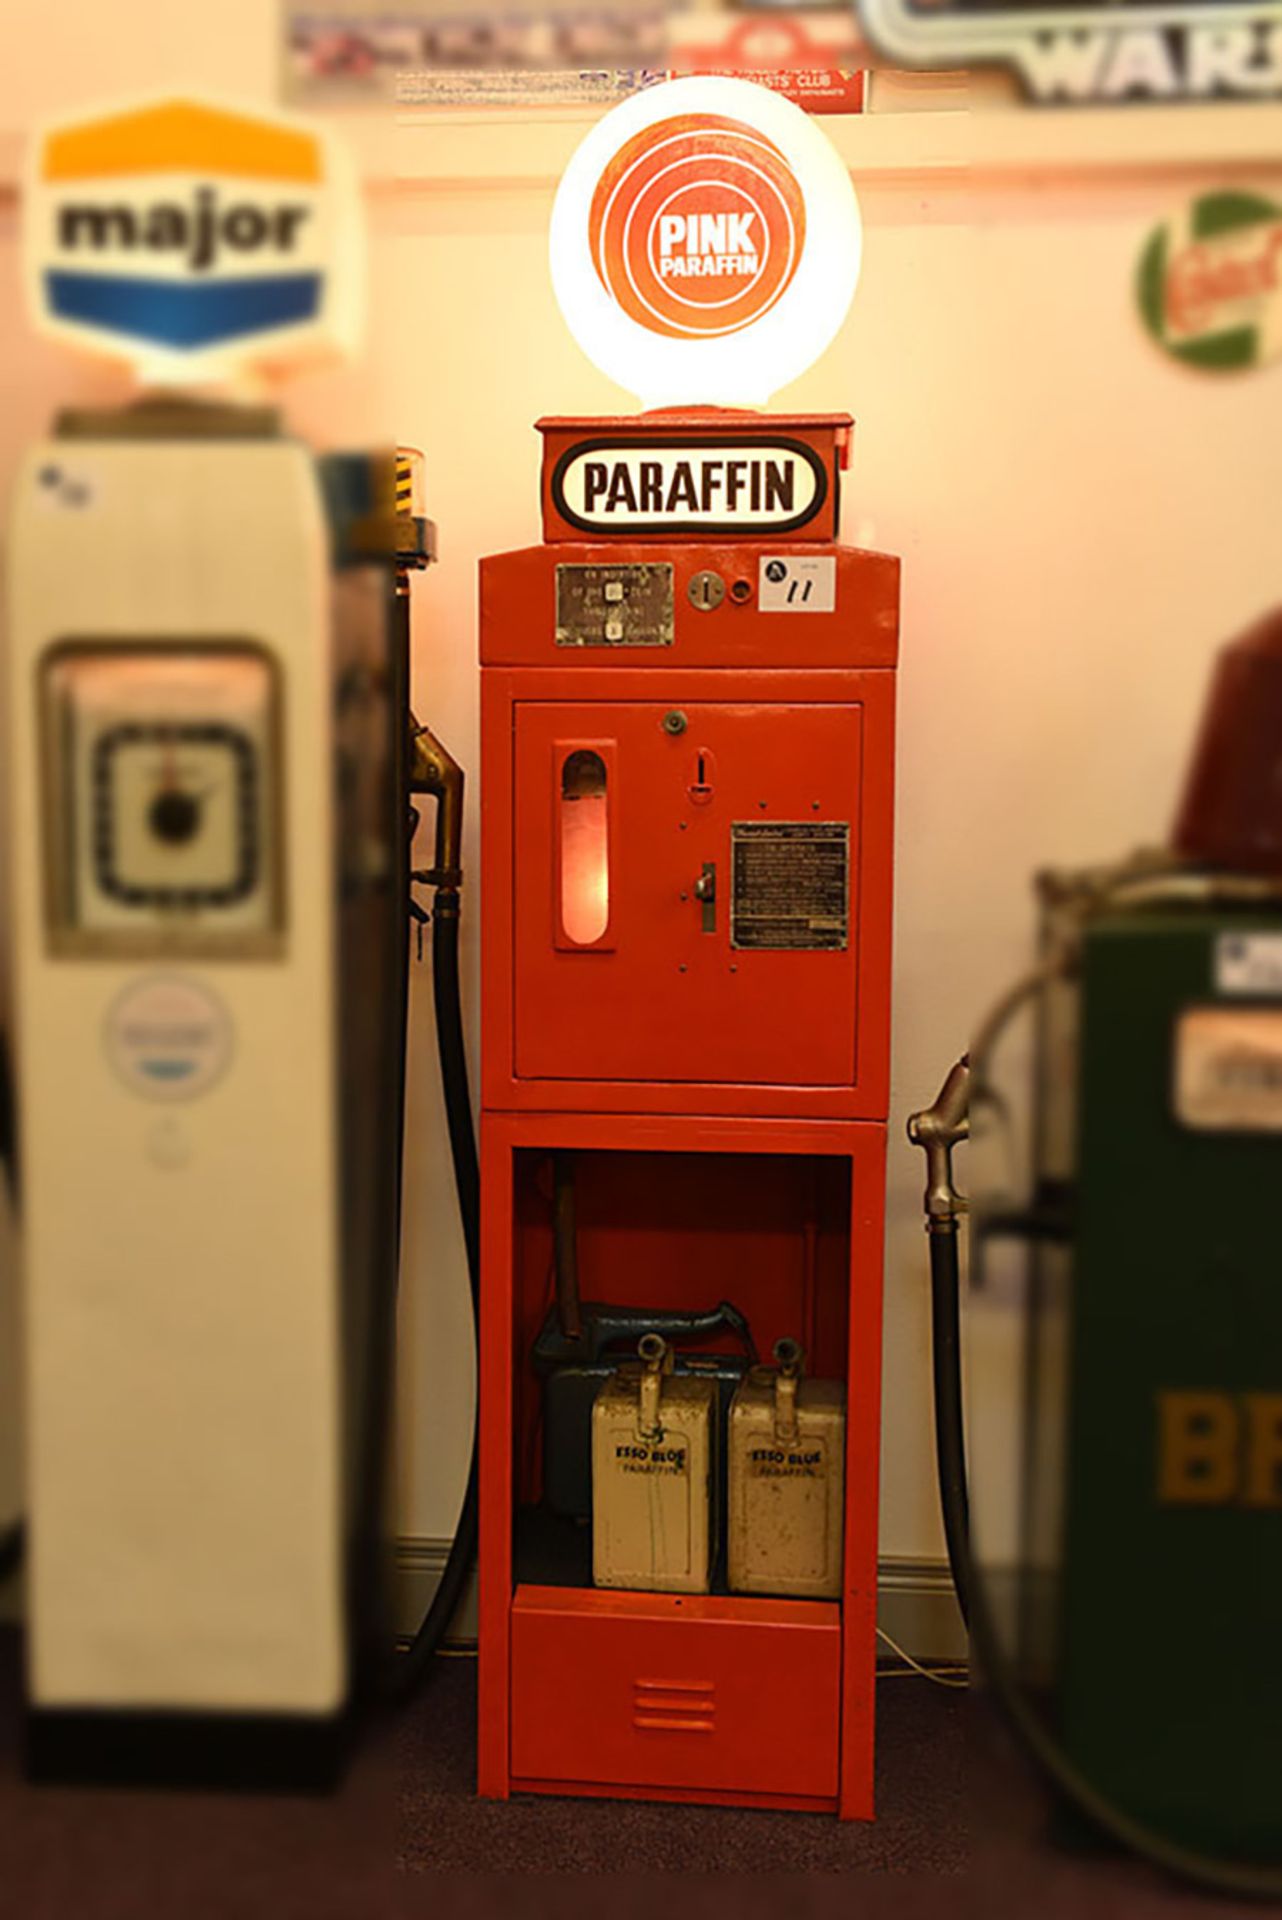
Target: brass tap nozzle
{"x": 937, "y": 1130}
{"x": 435, "y": 771}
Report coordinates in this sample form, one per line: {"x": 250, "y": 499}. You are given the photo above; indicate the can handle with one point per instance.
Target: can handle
{"x": 790, "y": 1359}
{"x": 655, "y": 1359}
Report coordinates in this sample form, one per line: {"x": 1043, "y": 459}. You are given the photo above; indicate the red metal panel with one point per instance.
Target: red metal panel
{"x": 676, "y": 1691}
{"x": 863, "y": 1452}
{"x": 507, "y": 874}
{"x": 681, "y": 1796}
{"x": 667, "y": 1000}
{"x": 503, "y": 1654}
{"x": 518, "y": 609}
{"x": 495, "y": 1378}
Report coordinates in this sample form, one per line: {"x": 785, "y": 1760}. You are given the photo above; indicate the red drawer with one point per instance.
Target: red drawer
{"x": 707, "y": 1694}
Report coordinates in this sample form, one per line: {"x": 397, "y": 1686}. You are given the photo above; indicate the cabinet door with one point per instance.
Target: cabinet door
{"x": 685, "y": 891}
{"x": 643, "y": 1690}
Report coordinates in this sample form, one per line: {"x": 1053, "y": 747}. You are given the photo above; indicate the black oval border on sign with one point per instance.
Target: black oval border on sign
{"x": 780, "y": 442}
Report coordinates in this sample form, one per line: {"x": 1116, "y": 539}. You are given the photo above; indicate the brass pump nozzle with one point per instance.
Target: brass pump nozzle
{"x": 937, "y": 1130}
{"x": 435, "y": 771}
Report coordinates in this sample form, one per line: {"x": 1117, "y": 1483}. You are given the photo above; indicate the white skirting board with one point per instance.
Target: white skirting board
{"x": 916, "y": 1604}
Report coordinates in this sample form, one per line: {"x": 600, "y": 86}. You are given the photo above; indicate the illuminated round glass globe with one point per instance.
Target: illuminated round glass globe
{"x": 705, "y": 243}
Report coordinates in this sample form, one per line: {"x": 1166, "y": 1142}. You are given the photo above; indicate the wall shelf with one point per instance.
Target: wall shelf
{"x": 446, "y": 150}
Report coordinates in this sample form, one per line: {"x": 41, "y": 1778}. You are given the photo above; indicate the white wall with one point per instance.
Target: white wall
{"x": 1081, "y": 521}
{"x": 1120, "y": 516}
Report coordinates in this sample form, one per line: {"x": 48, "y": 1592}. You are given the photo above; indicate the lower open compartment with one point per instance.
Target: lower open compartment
{"x": 618, "y": 1658}
{"x": 721, "y": 1695}
{"x": 719, "y": 1254}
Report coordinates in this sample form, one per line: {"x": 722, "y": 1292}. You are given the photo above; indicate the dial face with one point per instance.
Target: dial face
{"x": 175, "y": 814}
{"x": 164, "y": 797}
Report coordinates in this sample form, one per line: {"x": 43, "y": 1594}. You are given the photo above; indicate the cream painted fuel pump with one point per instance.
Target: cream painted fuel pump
{"x": 210, "y": 762}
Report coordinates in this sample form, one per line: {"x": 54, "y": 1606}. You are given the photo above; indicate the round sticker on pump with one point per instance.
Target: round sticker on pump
{"x": 169, "y": 1039}
{"x": 705, "y": 243}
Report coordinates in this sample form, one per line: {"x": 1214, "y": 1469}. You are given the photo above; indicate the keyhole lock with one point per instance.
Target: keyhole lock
{"x": 706, "y": 590}
{"x": 705, "y": 891}
{"x": 675, "y": 722}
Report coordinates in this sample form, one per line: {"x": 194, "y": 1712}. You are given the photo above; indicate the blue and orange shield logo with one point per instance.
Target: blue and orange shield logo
{"x": 192, "y": 238}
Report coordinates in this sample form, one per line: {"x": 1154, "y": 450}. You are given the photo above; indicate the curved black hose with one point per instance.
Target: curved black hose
{"x": 448, "y": 999}
{"x": 1214, "y": 1876}
{"x": 950, "y": 1426}
{"x": 13, "y": 1538}
{"x": 12, "y": 1546}
{"x": 412, "y": 1666}
{"x": 8, "y": 1120}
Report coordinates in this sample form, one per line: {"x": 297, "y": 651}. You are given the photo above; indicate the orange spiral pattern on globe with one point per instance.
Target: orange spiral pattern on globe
{"x": 697, "y": 227}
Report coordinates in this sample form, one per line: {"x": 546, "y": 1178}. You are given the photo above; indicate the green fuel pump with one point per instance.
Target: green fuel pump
{"x": 1154, "y": 1320}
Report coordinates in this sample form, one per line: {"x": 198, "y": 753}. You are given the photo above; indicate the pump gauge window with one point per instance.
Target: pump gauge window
{"x": 163, "y": 786}
{"x": 175, "y": 814}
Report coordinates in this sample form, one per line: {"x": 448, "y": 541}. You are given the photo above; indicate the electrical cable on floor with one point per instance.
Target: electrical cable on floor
{"x": 939, "y": 1676}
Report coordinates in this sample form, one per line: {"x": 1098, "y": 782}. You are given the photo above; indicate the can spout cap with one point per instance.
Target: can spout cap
{"x": 653, "y": 1349}
{"x": 790, "y": 1358}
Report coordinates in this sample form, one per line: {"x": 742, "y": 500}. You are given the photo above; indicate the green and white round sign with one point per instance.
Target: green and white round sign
{"x": 1210, "y": 282}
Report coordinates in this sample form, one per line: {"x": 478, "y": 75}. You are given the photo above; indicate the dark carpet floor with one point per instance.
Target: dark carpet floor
{"x": 962, "y": 1830}
{"x": 921, "y": 1825}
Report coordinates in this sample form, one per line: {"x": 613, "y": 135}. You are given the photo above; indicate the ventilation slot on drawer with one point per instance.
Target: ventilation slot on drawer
{"x": 674, "y": 1706}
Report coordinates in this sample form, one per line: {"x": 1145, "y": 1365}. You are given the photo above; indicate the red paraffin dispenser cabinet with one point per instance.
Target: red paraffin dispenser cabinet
{"x": 688, "y": 748}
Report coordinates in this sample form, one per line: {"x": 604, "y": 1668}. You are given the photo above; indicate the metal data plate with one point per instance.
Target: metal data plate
{"x": 1249, "y": 965}
{"x": 790, "y": 884}
{"x": 1228, "y": 1069}
{"x": 615, "y": 606}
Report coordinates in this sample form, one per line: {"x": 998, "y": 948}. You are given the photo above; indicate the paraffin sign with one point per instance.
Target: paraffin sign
{"x": 774, "y": 484}
{"x": 1087, "y": 52}
{"x": 705, "y": 243}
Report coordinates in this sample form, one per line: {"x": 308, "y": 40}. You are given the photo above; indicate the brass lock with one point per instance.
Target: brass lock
{"x": 706, "y": 590}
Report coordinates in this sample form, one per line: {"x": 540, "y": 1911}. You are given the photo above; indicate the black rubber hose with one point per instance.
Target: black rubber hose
{"x": 412, "y": 1666}
{"x": 1213, "y": 1876}
{"x": 950, "y": 1426}
{"x": 8, "y": 1120}
{"x": 13, "y": 1538}
{"x": 458, "y": 1104}
{"x": 13, "y": 1541}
